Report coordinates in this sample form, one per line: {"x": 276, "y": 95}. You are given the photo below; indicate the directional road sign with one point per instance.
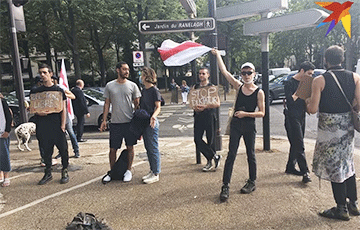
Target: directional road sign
{"x": 299, "y": 20}
{"x": 249, "y": 9}
{"x": 172, "y": 26}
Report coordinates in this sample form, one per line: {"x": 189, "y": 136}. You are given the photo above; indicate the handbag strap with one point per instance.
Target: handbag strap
{"x": 342, "y": 91}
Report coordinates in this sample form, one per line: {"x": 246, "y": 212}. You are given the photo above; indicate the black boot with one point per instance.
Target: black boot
{"x": 353, "y": 208}
{"x": 46, "y": 178}
{"x": 340, "y": 212}
{"x": 224, "y": 195}
{"x": 64, "y": 176}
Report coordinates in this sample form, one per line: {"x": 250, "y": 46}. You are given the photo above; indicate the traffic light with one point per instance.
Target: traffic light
{"x": 18, "y": 3}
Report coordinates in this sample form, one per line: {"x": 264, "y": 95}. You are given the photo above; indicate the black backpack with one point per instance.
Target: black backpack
{"x": 120, "y": 166}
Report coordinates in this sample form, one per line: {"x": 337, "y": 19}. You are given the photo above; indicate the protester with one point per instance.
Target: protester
{"x": 80, "y": 109}
{"x": 174, "y": 92}
{"x": 184, "y": 91}
{"x": 50, "y": 128}
{"x": 151, "y": 102}
{"x": 204, "y": 121}
{"x": 5, "y": 128}
{"x": 243, "y": 122}
{"x": 294, "y": 112}
{"x": 124, "y": 96}
{"x": 334, "y": 150}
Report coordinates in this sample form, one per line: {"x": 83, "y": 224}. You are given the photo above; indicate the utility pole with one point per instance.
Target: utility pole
{"x": 214, "y": 71}
{"x": 19, "y": 84}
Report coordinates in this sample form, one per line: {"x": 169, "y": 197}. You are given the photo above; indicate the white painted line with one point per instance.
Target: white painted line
{"x": 25, "y": 174}
{"x": 56, "y": 194}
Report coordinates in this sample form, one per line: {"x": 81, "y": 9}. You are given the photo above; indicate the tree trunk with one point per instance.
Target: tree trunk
{"x": 75, "y": 52}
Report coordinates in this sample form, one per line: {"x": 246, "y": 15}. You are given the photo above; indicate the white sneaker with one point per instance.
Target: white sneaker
{"x": 152, "y": 179}
{"x": 127, "y": 176}
{"x": 106, "y": 178}
{"x": 147, "y": 176}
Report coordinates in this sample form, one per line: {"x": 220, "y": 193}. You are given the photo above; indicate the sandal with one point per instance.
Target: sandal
{"x": 6, "y": 183}
{"x": 335, "y": 213}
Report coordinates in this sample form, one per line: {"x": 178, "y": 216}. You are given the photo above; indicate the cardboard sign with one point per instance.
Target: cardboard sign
{"x": 204, "y": 96}
{"x": 304, "y": 89}
{"x": 46, "y": 102}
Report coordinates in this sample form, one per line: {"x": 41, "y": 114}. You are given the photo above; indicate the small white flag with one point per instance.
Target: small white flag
{"x": 63, "y": 82}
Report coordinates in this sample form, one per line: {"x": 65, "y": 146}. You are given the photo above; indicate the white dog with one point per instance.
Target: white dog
{"x": 23, "y": 133}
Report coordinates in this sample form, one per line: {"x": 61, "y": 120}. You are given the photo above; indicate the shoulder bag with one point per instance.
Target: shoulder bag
{"x": 355, "y": 115}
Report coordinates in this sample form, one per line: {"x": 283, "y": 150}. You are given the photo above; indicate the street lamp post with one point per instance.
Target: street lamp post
{"x": 16, "y": 65}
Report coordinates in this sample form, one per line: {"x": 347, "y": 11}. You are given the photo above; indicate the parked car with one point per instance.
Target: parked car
{"x": 276, "y": 85}
{"x": 26, "y": 93}
{"x": 95, "y": 102}
{"x": 13, "y": 103}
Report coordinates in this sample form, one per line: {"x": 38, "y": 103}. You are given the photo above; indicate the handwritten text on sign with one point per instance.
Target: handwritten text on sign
{"x": 204, "y": 96}
{"x": 46, "y": 102}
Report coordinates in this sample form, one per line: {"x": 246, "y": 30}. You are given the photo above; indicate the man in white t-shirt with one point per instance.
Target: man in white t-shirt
{"x": 124, "y": 95}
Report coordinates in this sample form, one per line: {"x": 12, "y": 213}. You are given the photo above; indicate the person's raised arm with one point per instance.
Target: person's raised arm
{"x": 229, "y": 77}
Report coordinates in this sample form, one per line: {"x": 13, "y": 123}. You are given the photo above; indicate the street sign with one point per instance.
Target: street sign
{"x": 173, "y": 26}
{"x": 299, "y": 20}
{"x": 136, "y": 64}
{"x": 249, "y": 9}
{"x": 138, "y": 57}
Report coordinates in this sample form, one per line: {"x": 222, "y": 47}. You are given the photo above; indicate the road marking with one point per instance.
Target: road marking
{"x": 57, "y": 194}
{"x": 25, "y": 174}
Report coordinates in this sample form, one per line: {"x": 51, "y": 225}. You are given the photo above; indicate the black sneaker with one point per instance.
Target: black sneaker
{"x": 353, "y": 208}
{"x": 248, "y": 187}
{"x": 217, "y": 159}
{"x": 77, "y": 155}
{"x": 306, "y": 178}
{"x": 336, "y": 213}
{"x": 64, "y": 176}
{"x": 224, "y": 195}
{"x": 207, "y": 167}
{"x": 46, "y": 178}
{"x": 294, "y": 172}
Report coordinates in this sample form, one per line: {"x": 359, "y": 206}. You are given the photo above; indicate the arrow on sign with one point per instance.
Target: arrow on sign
{"x": 145, "y": 27}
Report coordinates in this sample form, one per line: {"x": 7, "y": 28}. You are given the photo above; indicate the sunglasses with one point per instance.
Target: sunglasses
{"x": 246, "y": 73}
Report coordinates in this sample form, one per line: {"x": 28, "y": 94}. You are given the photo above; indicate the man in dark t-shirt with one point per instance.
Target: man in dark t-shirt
{"x": 294, "y": 112}
{"x": 50, "y": 128}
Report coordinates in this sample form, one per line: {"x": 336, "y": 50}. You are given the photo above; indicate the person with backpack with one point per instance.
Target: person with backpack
{"x": 150, "y": 101}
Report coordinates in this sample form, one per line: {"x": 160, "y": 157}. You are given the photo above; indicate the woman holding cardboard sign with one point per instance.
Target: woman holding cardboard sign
{"x": 242, "y": 124}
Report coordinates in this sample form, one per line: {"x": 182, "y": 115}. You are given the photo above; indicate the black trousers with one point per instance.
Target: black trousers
{"x": 344, "y": 190}
{"x": 295, "y": 129}
{"x": 80, "y": 126}
{"x": 48, "y": 137}
{"x": 205, "y": 124}
{"x": 237, "y": 130}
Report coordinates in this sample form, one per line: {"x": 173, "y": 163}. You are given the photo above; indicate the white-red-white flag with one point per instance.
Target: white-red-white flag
{"x": 63, "y": 82}
{"x": 175, "y": 54}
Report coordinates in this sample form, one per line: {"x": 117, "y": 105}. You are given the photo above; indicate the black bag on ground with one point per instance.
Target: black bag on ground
{"x": 87, "y": 221}
{"x": 120, "y": 166}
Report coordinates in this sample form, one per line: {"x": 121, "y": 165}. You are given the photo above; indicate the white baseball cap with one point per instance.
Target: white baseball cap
{"x": 248, "y": 64}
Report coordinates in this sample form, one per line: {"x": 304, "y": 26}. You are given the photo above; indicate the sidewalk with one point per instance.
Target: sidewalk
{"x": 184, "y": 198}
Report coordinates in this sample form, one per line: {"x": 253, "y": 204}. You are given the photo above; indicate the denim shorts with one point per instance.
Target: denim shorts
{"x": 118, "y": 132}
{"x": 5, "y": 155}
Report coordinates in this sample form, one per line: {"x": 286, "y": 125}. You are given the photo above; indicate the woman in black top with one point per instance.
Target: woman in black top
{"x": 151, "y": 102}
{"x": 243, "y": 123}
